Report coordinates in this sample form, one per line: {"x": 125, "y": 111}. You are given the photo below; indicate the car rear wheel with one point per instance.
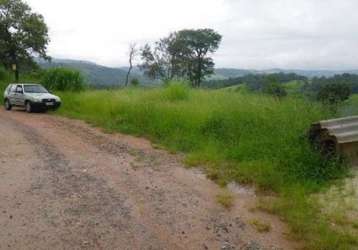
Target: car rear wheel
{"x": 28, "y": 107}
{"x": 7, "y": 105}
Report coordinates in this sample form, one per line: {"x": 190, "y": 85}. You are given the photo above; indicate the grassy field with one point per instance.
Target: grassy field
{"x": 238, "y": 137}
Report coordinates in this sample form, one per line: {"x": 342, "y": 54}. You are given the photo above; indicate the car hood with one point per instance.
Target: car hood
{"x": 42, "y": 96}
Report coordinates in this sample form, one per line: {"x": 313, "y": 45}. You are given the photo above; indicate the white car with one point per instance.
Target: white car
{"x": 30, "y": 96}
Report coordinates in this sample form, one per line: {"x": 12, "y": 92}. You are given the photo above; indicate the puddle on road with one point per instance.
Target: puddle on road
{"x": 241, "y": 189}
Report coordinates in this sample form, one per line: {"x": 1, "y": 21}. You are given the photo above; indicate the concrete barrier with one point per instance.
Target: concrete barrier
{"x": 337, "y": 137}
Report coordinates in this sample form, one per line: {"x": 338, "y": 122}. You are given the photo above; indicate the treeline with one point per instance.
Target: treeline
{"x": 317, "y": 83}
{"x": 312, "y": 86}
{"x": 255, "y": 81}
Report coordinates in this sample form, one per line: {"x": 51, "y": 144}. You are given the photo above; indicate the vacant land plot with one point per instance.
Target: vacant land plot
{"x": 236, "y": 137}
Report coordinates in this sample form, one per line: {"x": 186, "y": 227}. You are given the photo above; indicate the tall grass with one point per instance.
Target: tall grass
{"x": 263, "y": 139}
{"x": 239, "y": 136}
{"x": 63, "y": 79}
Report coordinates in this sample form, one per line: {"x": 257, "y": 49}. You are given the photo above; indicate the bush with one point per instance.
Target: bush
{"x": 63, "y": 79}
{"x": 334, "y": 93}
{"x": 275, "y": 89}
{"x": 3, "y": 74}
{"x": 134, "y": 82}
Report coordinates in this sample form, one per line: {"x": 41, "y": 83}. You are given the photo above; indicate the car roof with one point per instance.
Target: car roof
{"x": 24, "y": 84}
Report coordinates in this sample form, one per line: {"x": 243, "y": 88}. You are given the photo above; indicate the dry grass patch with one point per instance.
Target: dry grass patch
{"x": 260, "y": 226}
{"x": 226, "y": 199}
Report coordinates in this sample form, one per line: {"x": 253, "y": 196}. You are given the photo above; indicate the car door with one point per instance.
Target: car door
{"x": 19, "y": 96}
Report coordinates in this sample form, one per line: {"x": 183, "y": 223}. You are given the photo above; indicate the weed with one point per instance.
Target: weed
{"x": 260, "y": 226}
{"x": 226, "y": 199}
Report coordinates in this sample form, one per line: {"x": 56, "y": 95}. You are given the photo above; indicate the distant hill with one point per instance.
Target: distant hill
{"x": 224, "y": 73}
{"x": 95, "y": 74}
{"x": 99, "y": 75}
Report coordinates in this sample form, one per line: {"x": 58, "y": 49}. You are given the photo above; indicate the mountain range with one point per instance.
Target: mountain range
{"x": 99, "y": 75}
{"x": 95, "y": 74}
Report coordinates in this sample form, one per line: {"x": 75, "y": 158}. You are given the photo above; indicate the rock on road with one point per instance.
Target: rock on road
{"x": 66, "y": 185}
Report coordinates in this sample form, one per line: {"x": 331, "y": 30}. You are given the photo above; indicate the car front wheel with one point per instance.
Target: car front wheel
{"x": 7, "y": 105}
{"x": 28, "y": 107}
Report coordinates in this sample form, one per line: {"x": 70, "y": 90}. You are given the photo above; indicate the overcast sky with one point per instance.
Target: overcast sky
{"x": 260, "y": 34}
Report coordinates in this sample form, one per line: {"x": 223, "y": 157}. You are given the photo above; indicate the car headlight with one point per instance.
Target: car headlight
{"x": 37, "y": 100}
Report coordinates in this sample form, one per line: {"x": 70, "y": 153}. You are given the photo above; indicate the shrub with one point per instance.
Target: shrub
{"x": 334, "y": 93}
{"x": 63, "y": 79}
{"x": 275, "y": 89}
{"x": 3, "y": 74}
{"x": 135, "y": 82}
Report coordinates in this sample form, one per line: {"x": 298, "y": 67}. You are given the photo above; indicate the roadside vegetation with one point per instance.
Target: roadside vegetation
{"x": 63, "y": 79}
{"x": 256, "y": 138}
{"x": 254, "y": 131}
{"x": 238, "y": 136}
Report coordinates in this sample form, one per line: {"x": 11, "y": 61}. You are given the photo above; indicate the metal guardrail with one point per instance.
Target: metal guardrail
{"x": 337, "y": 137}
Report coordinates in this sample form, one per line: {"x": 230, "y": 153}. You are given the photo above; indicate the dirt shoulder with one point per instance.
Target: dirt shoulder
{"x": 66, "y": 185}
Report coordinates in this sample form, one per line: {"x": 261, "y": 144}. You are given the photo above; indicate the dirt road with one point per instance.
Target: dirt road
{"x": 66, "y": 185}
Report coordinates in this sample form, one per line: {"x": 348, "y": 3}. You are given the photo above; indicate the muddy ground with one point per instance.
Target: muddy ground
{"x": 66, "y": 185}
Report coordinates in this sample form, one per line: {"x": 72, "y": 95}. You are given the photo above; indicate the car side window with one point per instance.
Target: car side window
{"x": 19, "y": 89}
{"x": 12, "y": 88}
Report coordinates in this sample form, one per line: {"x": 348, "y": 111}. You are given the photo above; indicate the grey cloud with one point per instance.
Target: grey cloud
{"x": 256, "y": 33}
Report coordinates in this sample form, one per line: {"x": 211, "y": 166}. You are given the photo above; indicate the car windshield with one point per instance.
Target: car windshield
{"x": 34, "y": 89}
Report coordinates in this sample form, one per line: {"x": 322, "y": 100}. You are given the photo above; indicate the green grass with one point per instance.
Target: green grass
{"x": 4, "y": 80}
{"x": 238, "y": 136}
{"x": 294, "y": 87}
{"x": 258, "y": 138}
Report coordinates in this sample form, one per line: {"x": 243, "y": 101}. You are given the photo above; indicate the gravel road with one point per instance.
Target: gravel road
{"x": 67, "y": 185}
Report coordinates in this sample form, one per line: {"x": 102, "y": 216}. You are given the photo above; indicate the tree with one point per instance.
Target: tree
{"x": 334, "y": 93}
{"x": 273, "y": 87}
{"x": 183, "y": 54}
{"x": 161, "y": 61}
{"x": 23, "y": 35}
{"x": 132, "y": 55}
{"x": 196, "y": 46}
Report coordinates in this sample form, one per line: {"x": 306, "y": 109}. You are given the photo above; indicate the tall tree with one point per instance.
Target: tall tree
{"x": 198, "y": 45}
{"x": 161, "y": 61}
{"x": 183, "y": 54}
{"x": 23, "y": 35}
{"x": 132, "y": 54}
